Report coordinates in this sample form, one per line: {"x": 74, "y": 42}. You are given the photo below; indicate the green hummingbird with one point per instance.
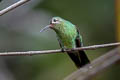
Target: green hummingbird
{"x": 69, "y": 38}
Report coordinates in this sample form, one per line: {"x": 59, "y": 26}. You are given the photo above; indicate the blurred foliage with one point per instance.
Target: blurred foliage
{"x": 118, "y": 19}
{"x": 95, "y": 18}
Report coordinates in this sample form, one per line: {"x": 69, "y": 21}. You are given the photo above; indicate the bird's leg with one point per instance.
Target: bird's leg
{"x": 64, "y": 49}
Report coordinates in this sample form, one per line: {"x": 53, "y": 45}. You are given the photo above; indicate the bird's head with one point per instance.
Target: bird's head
{"x": 55, "y": 24}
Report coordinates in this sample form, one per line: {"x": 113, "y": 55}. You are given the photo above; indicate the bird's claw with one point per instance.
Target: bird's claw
{"x": 64, "y": 49}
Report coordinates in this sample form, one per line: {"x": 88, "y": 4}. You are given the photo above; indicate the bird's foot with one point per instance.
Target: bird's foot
{"x": 64, "y": 49}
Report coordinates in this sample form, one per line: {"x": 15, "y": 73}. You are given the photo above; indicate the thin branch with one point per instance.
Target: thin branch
{"x": 30, "y": 53}
{"x": 13, "y": 6}
{"x": 91, "y": 70}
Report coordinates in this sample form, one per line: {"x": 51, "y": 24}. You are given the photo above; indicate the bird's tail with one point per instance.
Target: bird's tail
{"x": 79, "y": 58}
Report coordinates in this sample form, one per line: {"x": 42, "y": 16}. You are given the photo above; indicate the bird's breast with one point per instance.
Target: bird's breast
{"x": 68, "y": 39}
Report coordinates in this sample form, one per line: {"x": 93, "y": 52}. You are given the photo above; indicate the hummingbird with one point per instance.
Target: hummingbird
{"x": 69, "y": 37}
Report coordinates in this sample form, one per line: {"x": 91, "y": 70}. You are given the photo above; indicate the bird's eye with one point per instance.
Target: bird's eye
{"x": 55, "y": 20}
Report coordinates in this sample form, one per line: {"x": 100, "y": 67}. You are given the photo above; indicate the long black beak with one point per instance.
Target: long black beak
{"x": 45, "y": 28}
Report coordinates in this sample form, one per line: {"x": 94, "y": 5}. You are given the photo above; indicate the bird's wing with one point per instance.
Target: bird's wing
{"x": 81, "y": 55}
{"x": 78, "y": 39}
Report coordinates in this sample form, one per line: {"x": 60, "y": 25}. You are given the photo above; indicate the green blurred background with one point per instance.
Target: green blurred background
{"x": 19, "y": 31}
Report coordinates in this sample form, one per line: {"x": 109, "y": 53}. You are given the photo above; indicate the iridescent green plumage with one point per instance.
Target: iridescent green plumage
{"x": 69, "y": 37}
{"x": 66, "y": 33}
